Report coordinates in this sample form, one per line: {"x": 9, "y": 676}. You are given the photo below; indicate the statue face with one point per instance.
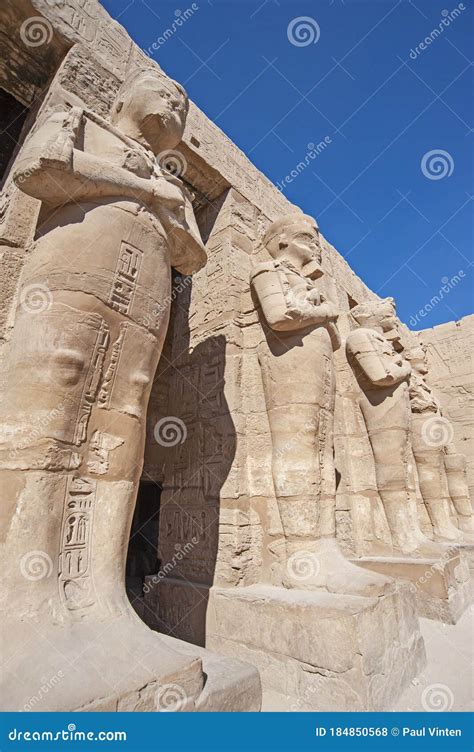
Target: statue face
{"x": 417, "y": 358}
{"x": 385, "y": 315}
{"x": 158, "y": 109}
{"x": 302, "y": 242}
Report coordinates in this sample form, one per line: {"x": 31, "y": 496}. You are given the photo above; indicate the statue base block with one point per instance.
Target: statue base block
{"x": 441, "y": 586}
{"x": 118, "y": 666}
{"x": 317, "y": 651}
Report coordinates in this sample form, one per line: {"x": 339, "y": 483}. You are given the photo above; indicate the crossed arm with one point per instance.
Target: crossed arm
{"x": 283, "y": 316}
{"x": 51, "y": 169}
{"x": 378, "y": 369}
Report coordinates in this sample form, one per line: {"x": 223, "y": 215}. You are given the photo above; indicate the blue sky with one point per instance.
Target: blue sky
{"x": 351, "y": 72}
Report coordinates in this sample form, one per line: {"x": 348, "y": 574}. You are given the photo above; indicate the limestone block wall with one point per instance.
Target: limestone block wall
{"x": 450, "y": 350}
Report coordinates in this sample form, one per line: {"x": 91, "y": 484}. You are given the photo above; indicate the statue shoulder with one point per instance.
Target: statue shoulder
{"x": 359, "y": 339}
{"x": 264, "y": 267}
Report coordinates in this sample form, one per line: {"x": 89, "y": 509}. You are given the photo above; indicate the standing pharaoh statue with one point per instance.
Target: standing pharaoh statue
{"x": 296, "y": 360}
{"x": 93, "y": 312}
{"x": 441, "y": 469}
{"x": 383, "y": 376}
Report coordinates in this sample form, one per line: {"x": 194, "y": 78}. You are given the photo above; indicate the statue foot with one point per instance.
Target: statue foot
{"x": 424, "y": 548}
{"x": 105, "y": 664}
{"x": 322, "y": 566}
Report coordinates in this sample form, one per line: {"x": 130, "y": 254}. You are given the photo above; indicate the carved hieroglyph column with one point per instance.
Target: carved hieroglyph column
{"x": 89, "y": 327}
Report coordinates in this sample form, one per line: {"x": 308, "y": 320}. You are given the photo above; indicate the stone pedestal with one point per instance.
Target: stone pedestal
{"x": 316, "y": 651}
{"x": 441, "y": 586}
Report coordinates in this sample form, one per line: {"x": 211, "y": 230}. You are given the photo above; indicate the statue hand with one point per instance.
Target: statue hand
{"x": 166, "y": 193}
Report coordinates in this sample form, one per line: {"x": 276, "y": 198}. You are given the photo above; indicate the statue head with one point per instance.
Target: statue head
{"x": 151, "y": 108}
{"x": 378, "y": 314}
{"x": 416, "y": 354}
{"x": 295, "y": 238}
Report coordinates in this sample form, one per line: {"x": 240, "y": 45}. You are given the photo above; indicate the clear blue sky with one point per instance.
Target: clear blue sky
{"x": 380, "y": 108}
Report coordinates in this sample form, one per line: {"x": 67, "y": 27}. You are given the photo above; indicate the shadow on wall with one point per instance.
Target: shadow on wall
{"x": 194, "y": 442}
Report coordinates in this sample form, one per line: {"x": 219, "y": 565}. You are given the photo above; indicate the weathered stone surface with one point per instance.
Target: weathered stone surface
{"x": 262, "y": 508}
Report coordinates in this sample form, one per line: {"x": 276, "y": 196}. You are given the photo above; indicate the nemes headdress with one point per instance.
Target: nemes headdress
{"x": 277, "y": 228}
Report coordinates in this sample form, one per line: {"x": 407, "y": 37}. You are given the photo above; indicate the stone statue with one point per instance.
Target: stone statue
{"x": 441, "y": 470}
{"x": 383, "y": 376}
{"x": 296, "y": 360}
{"x": 92, "y": 316}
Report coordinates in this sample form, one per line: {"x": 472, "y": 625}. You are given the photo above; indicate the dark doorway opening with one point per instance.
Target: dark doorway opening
{"x": 142, "y": 557}
{"x": 12, "y": 117}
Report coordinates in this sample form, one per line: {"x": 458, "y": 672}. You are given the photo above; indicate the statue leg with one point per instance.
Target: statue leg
{"x": 455, "y": 465}
{"x": 434, "y": 489}
{"x": 299, "y": 395}
{"x": 79, "y": 376}
{"x": 390, "y": 448}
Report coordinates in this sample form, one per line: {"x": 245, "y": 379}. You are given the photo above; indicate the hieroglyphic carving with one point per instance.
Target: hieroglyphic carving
{"x": 108, "y": 380}
{"x": 125, "y": 277}
{"x": 75, "y": 577}
{"x": 91, "y": 384}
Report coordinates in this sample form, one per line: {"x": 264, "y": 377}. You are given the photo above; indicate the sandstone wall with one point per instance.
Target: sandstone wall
{"x": 450, "y": 350}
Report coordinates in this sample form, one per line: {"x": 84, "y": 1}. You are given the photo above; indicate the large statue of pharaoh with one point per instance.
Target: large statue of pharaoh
{"x": 91, "y": 319}
{"x": 296, "y": 359}
{"x": 441, "y": 469}
{"x": 383, "y": 376}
